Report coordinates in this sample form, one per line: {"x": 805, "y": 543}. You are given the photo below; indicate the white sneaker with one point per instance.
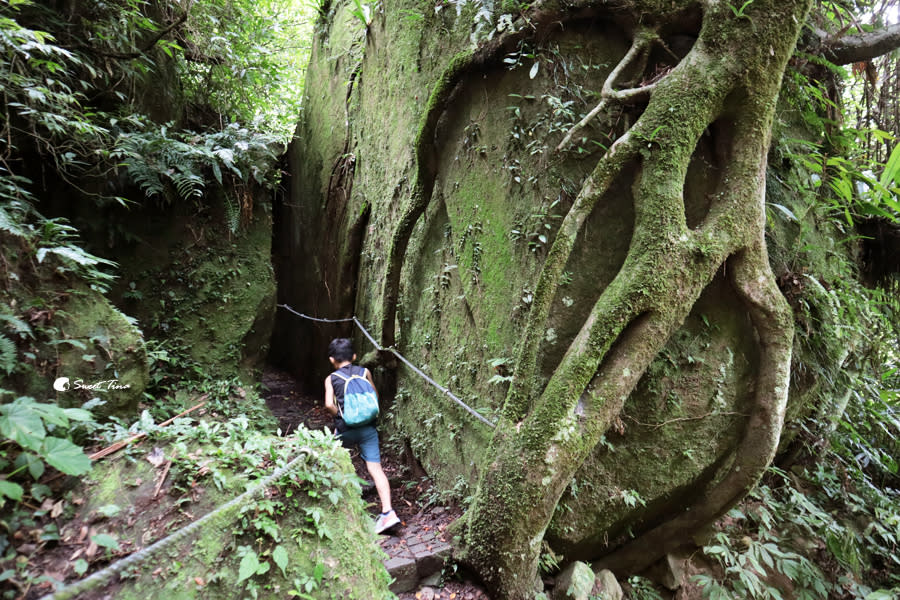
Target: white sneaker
{"x": 386, "y": 521}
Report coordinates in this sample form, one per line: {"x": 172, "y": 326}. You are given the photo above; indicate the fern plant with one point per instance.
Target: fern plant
{"x": 179, "y": 165}
{"x": 7, "y": 354}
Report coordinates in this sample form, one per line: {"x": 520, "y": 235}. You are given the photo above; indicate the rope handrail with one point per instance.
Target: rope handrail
{"x": 299, "y": 314}
{"x": 139, "y": 556}
{"x": 403, "y": 359}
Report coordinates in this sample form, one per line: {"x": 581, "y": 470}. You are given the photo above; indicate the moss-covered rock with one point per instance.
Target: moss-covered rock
{"x": 62, "y": 337}
{"x": 473, "y": 258}
{"x": 307, "y": 533}
{"x": 112, "y": 367}
{"x": 203, "y": 292}
{"x": 497, "y": 190}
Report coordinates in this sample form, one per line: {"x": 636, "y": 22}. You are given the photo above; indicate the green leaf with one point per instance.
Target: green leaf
{"x": 105, "y": 540}
{"x": 785, "y": 211}
{"x": 11, "y": 490}
{"x": 80, "y": 566}
{"x": 34, "y": 464}
{"x": 319, "y": 572}
{"x": 78, "y": 414}
{"x": 65, "y": 456}
{"x": 39, "y": 491}
{"x": 22, "y": 424}
{"x": 891, "y": 173}
{"x": 51, "y": 413}
{"x": 109, "y": 510}
{"x": 280, "y": 556}
{"x": 249, "y": 566}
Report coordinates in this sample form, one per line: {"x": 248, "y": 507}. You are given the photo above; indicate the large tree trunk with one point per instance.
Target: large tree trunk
{"x": 729, "y": 89}
{"x": 698, "y": 82}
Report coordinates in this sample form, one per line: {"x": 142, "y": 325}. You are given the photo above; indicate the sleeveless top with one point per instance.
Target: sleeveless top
{"x": 337, "y": 384}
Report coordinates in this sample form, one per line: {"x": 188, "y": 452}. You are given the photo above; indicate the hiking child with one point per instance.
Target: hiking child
{"x": 341, "y": 355}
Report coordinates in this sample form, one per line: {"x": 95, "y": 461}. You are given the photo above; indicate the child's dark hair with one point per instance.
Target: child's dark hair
{"x": 341, "y": 349}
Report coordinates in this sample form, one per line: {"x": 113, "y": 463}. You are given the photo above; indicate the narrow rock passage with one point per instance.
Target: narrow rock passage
{"x": 418, "y": 548}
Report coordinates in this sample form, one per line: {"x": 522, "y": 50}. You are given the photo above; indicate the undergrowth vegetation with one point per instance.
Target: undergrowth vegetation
{"x": 123, "y": 105}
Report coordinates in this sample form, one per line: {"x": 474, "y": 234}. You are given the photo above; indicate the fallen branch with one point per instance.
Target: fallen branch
{"x": 122, "y": 443}
{"x": 165, "y": 474}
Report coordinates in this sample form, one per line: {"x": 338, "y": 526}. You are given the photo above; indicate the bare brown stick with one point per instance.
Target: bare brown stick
{"x": 680, "y": 419}
{"x": 162, "y": 479}
{"x": 122, "y": 443}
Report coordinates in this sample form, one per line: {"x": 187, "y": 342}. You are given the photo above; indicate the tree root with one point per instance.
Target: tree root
{"x": 640, "y": 48}
{"x": 772, "y": 319}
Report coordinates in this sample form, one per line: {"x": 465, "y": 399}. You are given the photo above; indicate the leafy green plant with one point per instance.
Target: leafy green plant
{"x": 26, "y": 426}
{"x": 747, "y": 568}
{"x": 640, "y": 588}
{"x": 7, "y": 355}
{"x": 362, "y": 12}
{"x": 740, "y": 13}
{"x": 173, "y": 165}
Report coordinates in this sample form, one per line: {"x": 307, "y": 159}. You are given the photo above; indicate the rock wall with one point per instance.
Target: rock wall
{"x": 471, "y": 264}
{"x": 63, "y": 339}
{"x": 204, "y": 292}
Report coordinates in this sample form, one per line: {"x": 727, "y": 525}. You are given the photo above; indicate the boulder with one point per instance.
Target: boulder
{"x": 576, "y": 582}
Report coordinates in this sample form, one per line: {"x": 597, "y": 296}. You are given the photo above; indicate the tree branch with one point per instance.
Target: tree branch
{"x": 861, "y": 47}
{"x": 150, "y": 43}
{"x": 638, "y": 48}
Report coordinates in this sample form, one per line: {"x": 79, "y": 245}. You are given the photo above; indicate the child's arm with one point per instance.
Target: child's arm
{"x": 330, "y": 406}
{"x": 372, "y": 381}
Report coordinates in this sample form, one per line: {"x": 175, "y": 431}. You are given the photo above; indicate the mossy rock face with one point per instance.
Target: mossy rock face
{"x": 113, "y": 364}
{"x": 471, "y": 266}
{"x": 202, "y": 292}
{"x": 67, "y": 342}
{"x": 677, "y": 428}
{"x": 310, "y": 528}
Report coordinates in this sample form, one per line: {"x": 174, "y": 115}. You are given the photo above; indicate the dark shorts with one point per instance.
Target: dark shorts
{"x": 366, "y": 438}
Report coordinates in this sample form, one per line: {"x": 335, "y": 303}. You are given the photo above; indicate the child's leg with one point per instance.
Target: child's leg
{"x": 381, "y": 485}
{"x": 371, "y": 454}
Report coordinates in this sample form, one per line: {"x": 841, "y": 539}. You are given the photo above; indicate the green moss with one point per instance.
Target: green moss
{"x": 316, "y": 517}
{"x": 67, "y": 329}
{"x": 685, "y": 416}
{"x": 484, "y": 134}
{"x": 205, "y": 295}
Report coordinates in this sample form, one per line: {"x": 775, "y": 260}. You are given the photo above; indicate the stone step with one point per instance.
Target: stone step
{"x": 415, "y": 558}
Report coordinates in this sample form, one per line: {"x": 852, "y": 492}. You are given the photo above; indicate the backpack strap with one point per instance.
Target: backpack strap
{"x": 352, "y": 375}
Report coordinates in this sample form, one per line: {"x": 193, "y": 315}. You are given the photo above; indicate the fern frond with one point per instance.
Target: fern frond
{"x": 145, "y": 177}
{"x": 7, "y": 355}
{"x": 232, "y": 213}
{"x": 11, "y": 224}
{"x": 188, "y": 185}
{"x": 17, "y": 325}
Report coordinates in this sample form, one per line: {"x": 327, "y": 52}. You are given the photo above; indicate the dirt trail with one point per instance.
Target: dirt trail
{"x": 423, "y": 522}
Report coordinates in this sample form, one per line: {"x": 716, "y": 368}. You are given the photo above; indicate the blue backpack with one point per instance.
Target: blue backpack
{"x": 360, "y": 401}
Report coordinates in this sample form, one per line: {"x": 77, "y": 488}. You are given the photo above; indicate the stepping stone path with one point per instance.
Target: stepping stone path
{"x": 416, "y": 554}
